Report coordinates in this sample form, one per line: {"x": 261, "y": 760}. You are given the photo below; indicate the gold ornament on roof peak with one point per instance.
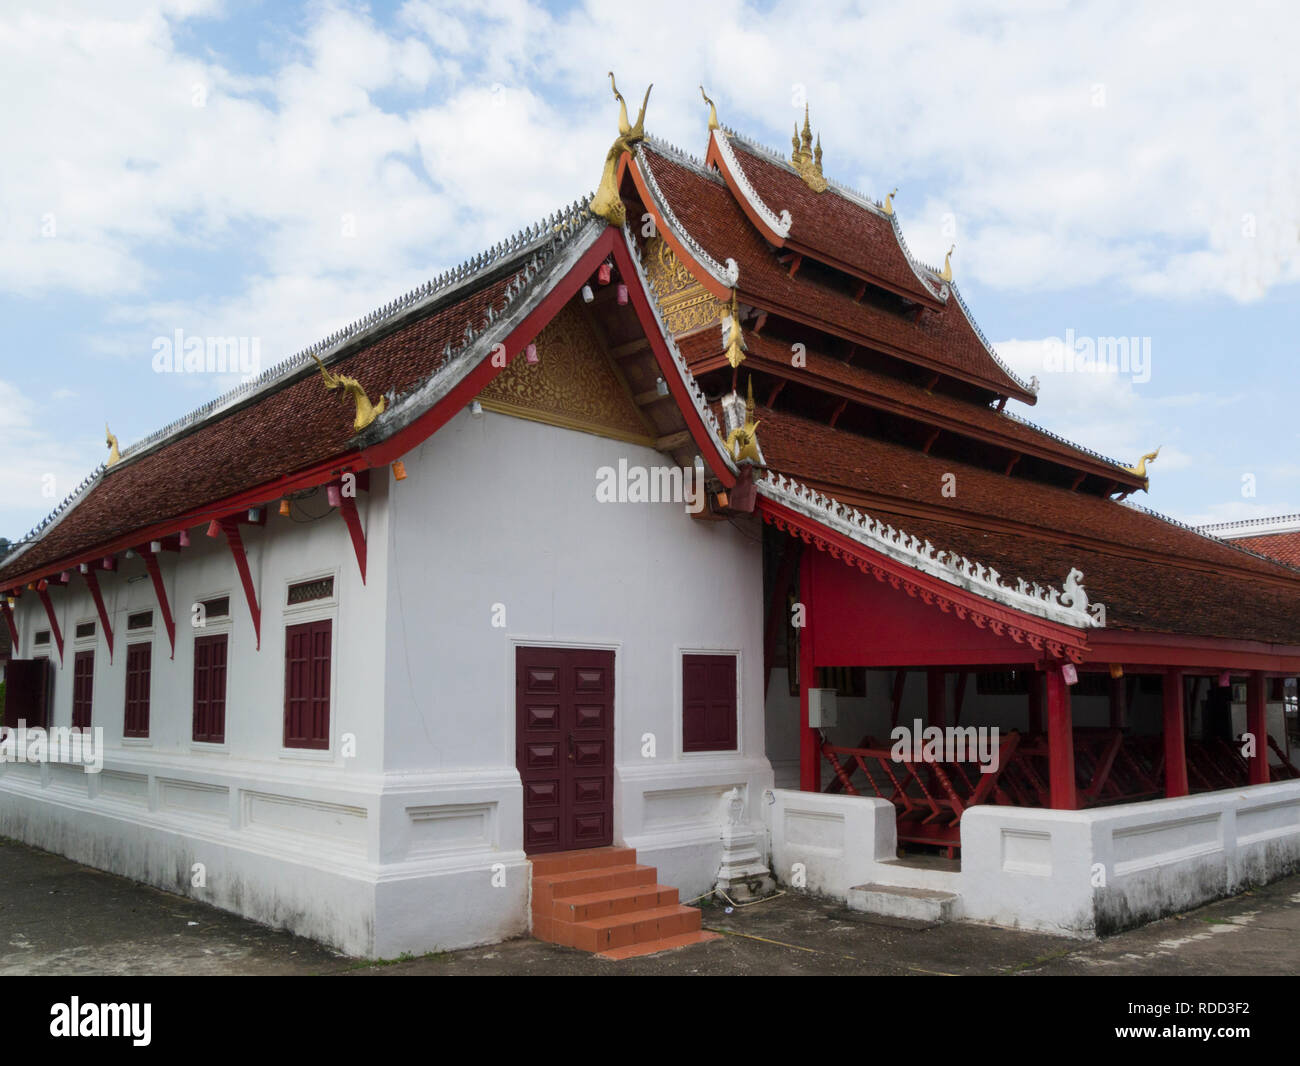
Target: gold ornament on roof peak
{"x": 947, "y": 264}
{"x": 1141, "y": 468}
{"x": 114, "y": 455}
{"x": 804, "y": 158}
{"x": 713, "y": 110}
{"x": 889, "y": 201}
{"x": 607, "y": 203}
{"x": 366, "y": 411}
{"x": 742, "y": 442}
{"x": 732, "y": 336}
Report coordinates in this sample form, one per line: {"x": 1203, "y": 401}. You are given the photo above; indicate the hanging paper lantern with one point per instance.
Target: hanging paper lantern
{"x": 214, "y": 528}
{"x": 399, "y": 471}
{"x": 183, "y": 538}
{"x": 284, "y": 508}
{"x": 530, "y": 355}
{"x": 587, "y": 294}
{"x": 603, "y": 274}
{"x": 1069, "y": 674}
{"x": 334, "y": 496}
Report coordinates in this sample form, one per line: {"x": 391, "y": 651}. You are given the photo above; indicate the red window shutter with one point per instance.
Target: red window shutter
{"x": 139, "y": 660}
{"x": 210, "y": 689}
{"x": 83, "y": 684}
{"x": 307, "y": 650}
{"x": 708, "y": 702}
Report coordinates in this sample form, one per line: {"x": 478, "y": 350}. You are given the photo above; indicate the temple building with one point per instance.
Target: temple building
{"x": 687, "y": 539}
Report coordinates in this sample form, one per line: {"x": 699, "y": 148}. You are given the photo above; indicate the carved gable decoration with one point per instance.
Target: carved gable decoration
{"x": 686, "y": 305}
{"x": 572, "y": 385}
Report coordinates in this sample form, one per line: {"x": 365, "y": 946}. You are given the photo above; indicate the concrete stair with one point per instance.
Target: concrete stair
{"x": 892, "y": 901}
{"x": 602, "y": 900}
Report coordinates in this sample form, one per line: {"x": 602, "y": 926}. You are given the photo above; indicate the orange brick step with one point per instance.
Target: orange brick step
{"x": 604, "y": 901}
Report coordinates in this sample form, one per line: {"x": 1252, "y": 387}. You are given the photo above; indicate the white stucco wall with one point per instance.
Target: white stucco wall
{"x": 502, "y": 511}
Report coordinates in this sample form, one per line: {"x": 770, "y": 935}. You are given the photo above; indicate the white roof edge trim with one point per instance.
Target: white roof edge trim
{"x": 1068, "y": 606}
{"x": 778, "y": 224}
{"x": 728, "y": 275}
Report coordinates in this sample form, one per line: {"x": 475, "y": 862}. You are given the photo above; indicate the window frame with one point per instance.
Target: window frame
{"x": 317, "y": 745}
{"x": 132, "y": 651}
{"x": 209, "y": 640}
{"x": 80, "y": 700}
{"x": 730, "y": 743}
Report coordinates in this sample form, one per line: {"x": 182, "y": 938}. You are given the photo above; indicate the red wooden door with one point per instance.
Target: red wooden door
{"x": 28, "y": 683}
{"x": 564, "y": 746}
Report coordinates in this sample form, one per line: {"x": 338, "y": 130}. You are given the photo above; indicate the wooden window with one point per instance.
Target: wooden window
{"x": 83, "y": 687}
{"x": 140, "y": 620}
{"x": 84, "y": 630}
{"x": 139, "y": 663}
{"x": 210, "y": 689}
{"x": 322, "y": 588}
{"x": 708, "y": 702}
{"x": 307, "y": 685}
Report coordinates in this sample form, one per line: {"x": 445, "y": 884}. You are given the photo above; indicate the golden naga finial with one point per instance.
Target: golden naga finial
{"x": 367, "y": 412}
{"x": 114, "y": 455}
{"x": 805, "y": 159}
{"x": 607, "y": 203}
{"x": 1141, "y": 469}
{"x": 947, "y": 265}
{"x": 742, "y": 442}
{"x": 713, "y": 110}
{"x": 889, "y": 201}
{"x": 733, "y": 337}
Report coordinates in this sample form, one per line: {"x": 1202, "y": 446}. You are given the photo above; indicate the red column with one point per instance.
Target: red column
{"x": 1060, "y": 742}
{"x": 1171, "y": 692}
{"x": 810, "y": 756}
{"x": 1035, "y": 702}
{"x": 936, "y": 692}
{"x": 1257, "y": 726}
{"x": 1118, "y": 711}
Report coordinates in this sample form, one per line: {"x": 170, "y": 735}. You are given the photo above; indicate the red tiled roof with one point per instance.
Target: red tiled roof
{"x": 824, "y": 368}
{"x": 285, "y": 430}
{"x": 1282, "y": 546}
{"x": 1151, "y": 574}
{"x": 709, "y": 213}
{"x": 830, "y": 223}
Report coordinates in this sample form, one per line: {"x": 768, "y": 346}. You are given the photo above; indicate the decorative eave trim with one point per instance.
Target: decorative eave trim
{"x": 1252, "y": 527}
{"x": 1068, "y": 608}
{"x": 778, "y": 226}
{"x": 726, "y": 277}
{"x": 1121, "y": 470}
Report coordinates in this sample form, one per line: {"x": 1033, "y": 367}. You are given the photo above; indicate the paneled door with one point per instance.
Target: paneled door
{"x": 564, "y": 746}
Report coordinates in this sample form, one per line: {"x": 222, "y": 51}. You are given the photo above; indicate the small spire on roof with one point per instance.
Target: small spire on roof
{"x": 803, "y": 157}
{"x": 713, "y": 111}
{"x": 732, "y": 336}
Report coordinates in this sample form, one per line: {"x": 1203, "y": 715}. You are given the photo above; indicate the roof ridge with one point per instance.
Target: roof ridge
{"x": 1056, "y": 436}
{"x": 555, "y": 229}
{"x": 1200, "y": 532}
{"x": 1244, "y": 523}
{"x": 728, "y": 274}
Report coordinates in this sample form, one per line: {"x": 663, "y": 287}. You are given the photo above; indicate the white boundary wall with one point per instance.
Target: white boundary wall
{"x": 1073, "y": 873}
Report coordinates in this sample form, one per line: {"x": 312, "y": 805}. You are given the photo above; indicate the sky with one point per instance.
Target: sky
{"x": 1116, "y": 178}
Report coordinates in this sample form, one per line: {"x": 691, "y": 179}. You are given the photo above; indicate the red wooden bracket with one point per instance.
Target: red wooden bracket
{"x": 231, "y": 528}
{"x": 92, "y": 582}
{"x": 9, "y": 621}
{"x": 44, "y": 594}
{"x": 348, "y": 509}
{"x": 160, "y": 590}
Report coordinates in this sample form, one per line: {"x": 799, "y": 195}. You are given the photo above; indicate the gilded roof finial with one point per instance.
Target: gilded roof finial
{"x": 607, "y": 203}
{"x": 889, "y": 201}
{"x": 947, "y": 264}
{"x": 1141, "y": 468}
{"x": 732, "y": 336}
{"x": 713, "y": 111}
{"x": 366, "y": 411}
{"x": 804, "y": 159}
{"x": 114, "y": 455}
{"x": 742, "y": 441}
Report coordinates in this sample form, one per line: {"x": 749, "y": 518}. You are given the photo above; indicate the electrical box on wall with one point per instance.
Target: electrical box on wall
{"x": 822, "y": 708}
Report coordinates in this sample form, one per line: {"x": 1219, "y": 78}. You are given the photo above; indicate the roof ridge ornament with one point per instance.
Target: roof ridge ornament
{"x": 889, "y": 201}
{"x": 366, "y": 411}
{"x": 947, "y": 265}
{"x": 742, "y": 438}
{"x": 732, "y": 336}
{"x": 114, "y": 454}
{"x": 607, "y": 203}
{"x": 807, "y": 161}
{"x": 1140, "y": 469}
{"x": 713, "y": 110}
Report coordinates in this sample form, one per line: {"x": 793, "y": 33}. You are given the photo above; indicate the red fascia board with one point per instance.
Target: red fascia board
{"x": 1071, "y": 640}
{"x": 715, "y": 158}
{"x": 1136, "y": 650}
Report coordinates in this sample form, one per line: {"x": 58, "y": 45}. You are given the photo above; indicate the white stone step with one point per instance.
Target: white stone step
{"x": 921, "y": 904}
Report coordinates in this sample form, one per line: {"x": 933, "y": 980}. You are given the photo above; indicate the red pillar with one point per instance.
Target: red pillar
{"x": 1257, "y": 726}
{"x": 1035, "y": 702}
{"x": 810, "y": 756}
{"x": 1171, "y": 692}
{"x": 936, "y": 692}
{"x": 1118, "y": 710}
{"x": 1060, "y": 742}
